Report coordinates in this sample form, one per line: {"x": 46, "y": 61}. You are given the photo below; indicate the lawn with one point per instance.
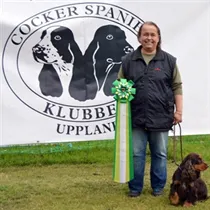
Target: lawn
{"x": 79, "y": 177}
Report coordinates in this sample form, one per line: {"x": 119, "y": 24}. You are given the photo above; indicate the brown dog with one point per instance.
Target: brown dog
{"x": 187, "y": 187}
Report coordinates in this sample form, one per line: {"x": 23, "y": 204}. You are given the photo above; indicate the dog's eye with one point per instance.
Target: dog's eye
{"x": 109, "y": 37}
{"x": 200, "y": 160}
{"x": 57, "y": 37}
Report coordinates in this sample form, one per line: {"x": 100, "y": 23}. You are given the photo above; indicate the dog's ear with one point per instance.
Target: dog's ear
{"x": 75, "y": 52}
{"x": 184, "y": 161}
{"x": 91, "y": 51}
{"x": 186, "y": 169}
{"x": 188, "y": 164}
{"x": 188, "y": 172}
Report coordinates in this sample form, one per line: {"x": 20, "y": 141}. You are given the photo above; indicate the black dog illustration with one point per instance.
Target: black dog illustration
{"x": 61, "y": 56}
{"x": 103, "y": 58}
{"x": 66, "y": 70}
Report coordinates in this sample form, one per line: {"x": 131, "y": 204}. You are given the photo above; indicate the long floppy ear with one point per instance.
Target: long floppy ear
{"x": 77, "y": 85}
{"x": 72, "y": 54}
{"x": 90, "y": 69}
{"x": 188, "y": 164}
{"x": 185, "y": 160}
{"x": 76, "y": 53}
{"x": 49, "y": 82}
{"x": 91, "y": 51}
{"x": 188, "y": 172}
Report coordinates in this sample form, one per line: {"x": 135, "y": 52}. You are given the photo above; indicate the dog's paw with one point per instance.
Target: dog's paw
{"x": 187, "y": 204}
{"x": 174, "y": 198}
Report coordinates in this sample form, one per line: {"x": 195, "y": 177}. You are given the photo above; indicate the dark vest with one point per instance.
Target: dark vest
{"x": 153, "y": 105}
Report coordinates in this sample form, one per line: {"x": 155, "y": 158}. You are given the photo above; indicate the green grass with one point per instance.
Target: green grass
{"x": 76, "y": 153}
{"x": 88, "y": 152}
{"x": 79, "y": 177}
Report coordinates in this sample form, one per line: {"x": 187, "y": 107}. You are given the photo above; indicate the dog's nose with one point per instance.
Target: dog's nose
{"x": 205, "y": 166}
{"x": 37, "y": 48}
{"x": 128, "y": 49}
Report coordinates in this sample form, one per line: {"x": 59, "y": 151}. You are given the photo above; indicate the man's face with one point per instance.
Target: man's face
{"x": 149, "y": 38}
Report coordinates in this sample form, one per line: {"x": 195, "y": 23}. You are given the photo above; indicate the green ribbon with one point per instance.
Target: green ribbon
{"x": 123, "y": 90}
{"x": 123, "y": 161}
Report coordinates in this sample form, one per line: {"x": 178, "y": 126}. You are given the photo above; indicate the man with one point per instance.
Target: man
{"x": 158, "y": 88}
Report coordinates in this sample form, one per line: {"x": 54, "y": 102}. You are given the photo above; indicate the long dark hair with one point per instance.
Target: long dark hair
{"x": 158, "y": 30}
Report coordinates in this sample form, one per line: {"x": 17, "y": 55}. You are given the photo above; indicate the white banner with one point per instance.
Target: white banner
{"x": 59, "y": 59}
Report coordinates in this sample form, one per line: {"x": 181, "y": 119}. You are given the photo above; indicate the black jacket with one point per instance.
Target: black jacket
{"x": 153, "y": 105}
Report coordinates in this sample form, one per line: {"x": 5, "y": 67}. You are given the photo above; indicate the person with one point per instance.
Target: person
{"x": 156, "y": 106}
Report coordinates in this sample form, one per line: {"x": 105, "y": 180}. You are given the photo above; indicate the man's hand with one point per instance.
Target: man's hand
{"x": 177, "y": 117}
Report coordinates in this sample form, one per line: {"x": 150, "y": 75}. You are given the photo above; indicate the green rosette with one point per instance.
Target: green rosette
{"x": 123, "y": 156}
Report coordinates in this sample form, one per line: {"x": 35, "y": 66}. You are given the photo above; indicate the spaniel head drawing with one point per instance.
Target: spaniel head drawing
{"x": 57, "y": 44}
{"x": 110, "y": 42}
{"x": 60, "y": 56}
{"x": 103, "y": 58}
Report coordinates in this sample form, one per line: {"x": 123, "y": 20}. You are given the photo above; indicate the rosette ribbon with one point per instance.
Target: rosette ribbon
{"x": 123, "y": 154}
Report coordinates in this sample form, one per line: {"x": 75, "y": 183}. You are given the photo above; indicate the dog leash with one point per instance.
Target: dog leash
{"x": 175, "y": 141}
